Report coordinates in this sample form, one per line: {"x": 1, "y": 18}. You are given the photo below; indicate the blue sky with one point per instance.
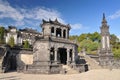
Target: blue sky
{"x": 84, "y": 16}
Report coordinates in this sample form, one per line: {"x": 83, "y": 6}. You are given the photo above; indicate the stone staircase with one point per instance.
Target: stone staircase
{"x": 69, "y": 70}
{"x": 92, "y": 64}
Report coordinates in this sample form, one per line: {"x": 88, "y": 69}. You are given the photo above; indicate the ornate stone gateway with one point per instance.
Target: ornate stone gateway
{"x": 53, "y": 50}
{"x": 105, "y": 54}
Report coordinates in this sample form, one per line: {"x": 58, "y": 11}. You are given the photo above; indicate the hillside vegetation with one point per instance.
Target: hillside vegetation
{"x": 91, "y": 43}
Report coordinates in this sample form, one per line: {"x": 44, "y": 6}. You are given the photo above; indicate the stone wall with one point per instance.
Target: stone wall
{"x": 41, "y": 52}
{"x": 43, "y": 69}
{"x": 24, "y": 58}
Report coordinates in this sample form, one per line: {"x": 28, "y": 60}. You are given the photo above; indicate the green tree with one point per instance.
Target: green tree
{"x": 73, "y": 37}
{"x": 93, "y": 46}
{"x": 91, "y": 42}
{"x": 88, "y": 45}
{"x": 95, "y": 37}
{"x": 82, "y": 37}
{"x": 2, "y": 30}
{"x": 26, "y": 44}
{"x": 11, "y": 42}
{"x": 114, "y": 41}
{"x": 85, "y": 44}
{"x": 116, "y": 53}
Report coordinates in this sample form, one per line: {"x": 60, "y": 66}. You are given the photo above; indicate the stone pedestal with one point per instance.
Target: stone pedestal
{"x": 106, "y": 58}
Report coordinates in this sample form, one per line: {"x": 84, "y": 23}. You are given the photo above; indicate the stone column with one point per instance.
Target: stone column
{"x": 73, "y": 56}
{"x": 66, "y": 33}
{"x": 68, "y": 56}
{"x": 55, "y": 31}
{"x": 55, "y": 57}
{"x": 62, "y": 33}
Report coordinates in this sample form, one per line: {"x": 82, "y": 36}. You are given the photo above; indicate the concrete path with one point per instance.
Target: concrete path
{"x": 96, "y": 74}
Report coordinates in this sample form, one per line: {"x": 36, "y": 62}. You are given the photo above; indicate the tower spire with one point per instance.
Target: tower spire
{"x": 105, "y": 53}
{"x": 104, "y": 22}
{"x": 103, "y": 16}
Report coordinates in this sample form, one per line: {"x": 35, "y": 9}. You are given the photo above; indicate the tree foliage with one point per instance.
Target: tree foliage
{"x": 116, "y": 53}
{"x": 91, "y": 42}
{"x": 11, "y": 41}
{"x": 26, "y": 44}
{"x": 2, "y": 31}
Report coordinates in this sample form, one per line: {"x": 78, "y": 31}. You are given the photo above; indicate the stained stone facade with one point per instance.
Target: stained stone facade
{"x": 11, "y": 32}
{"x": 53, "y": 50}
{"x": 21, "y": 35}
{"x": 105, "y": 53}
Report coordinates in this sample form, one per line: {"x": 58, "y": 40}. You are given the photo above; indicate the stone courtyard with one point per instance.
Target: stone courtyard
{"x": 96, "y": 74}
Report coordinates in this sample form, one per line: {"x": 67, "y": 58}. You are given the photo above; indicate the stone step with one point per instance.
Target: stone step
{"x": 93, "y": 64}
{"x": 69, "y": 70}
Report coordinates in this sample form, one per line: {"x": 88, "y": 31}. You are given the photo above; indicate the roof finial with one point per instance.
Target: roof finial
{"x": 103, "y": 16}
{"x": 104, "y": 19}
{"x": 50, "y": 19}
{"x": 56, "y": 20}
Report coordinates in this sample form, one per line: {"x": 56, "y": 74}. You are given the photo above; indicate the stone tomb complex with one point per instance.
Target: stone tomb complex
{"x": 51, "y": 50}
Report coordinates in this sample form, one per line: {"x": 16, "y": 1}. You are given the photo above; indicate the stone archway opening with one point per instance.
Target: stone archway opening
{"x": 64, "y": 33}
{"x": 58, "y": 32}
{"x": 63, "y": 55}
{"x": 52, "y": 54}
{"x": 71, "y": 55}
{"x": 9, "y": 62}
{"x": 13, "y": 64}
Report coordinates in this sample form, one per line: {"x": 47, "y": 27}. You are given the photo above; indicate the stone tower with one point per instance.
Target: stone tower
{"x": 105, "y": 54}
{"x": 55, "y": 29}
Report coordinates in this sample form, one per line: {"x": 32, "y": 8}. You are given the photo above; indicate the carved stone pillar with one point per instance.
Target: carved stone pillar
{"x": 55, "y": 31}
{"x": 62, "y": 33}
{"x": 55, "y": 57}
{"x": 68, "y": 56}
{"x": 73, "y": 56}
{"x": 66, "y": 33}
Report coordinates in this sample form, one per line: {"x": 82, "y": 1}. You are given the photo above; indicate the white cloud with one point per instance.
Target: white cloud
{"x": 19, "y": 23}
{"x": 76, "y": 26}
{"x": 7, "y": 11}
{"x": 23, "y": 16}
{"x": 115, "y": 15}
{"x": 118, "y": 37}
{"x": 42, "y": 13}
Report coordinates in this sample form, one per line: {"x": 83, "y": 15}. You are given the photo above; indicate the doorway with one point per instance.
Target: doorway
{"x": 63, "y": 55}
{"x": 9, "y": 62}
{"x": 12, "y": 62}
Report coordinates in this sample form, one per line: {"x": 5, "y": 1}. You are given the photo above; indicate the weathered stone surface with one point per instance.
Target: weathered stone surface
{"x": 53, "y": 50}
{"x": 105, "y": 53}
